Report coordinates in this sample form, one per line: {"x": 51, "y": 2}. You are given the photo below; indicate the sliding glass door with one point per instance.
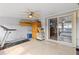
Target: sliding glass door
{"x": 62, "y": 29}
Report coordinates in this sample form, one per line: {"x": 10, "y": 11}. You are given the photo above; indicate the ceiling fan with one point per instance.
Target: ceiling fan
{"x": 32, "y": 14}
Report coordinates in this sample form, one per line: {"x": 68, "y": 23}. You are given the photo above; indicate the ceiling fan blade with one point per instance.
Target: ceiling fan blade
{"x": 36, "y": 15}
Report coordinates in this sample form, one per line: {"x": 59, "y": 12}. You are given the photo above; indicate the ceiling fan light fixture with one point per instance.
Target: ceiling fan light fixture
{"x": 30, "y": 16}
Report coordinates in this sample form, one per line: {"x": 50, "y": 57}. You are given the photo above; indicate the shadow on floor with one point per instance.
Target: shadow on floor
{"x": 7, "y": 45}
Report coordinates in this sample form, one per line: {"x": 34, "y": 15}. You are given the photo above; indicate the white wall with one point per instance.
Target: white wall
{"x": 13, "y": 23}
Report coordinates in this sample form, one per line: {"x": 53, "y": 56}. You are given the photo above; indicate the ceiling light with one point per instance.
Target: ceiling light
{"x": 30, "y": 16}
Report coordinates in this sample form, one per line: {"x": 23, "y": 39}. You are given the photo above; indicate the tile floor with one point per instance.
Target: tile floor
{"x": 35, "y": 47}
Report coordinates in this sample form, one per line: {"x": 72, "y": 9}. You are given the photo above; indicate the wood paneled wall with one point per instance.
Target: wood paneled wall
{"x": 35, "y": 25}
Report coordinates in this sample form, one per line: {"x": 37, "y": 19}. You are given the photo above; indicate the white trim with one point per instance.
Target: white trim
{"x": 74, "y": 34}
{"x": 77, "y": 29}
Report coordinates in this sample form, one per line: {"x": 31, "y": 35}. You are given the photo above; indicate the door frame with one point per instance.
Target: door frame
{"x": 73, "y": 13}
